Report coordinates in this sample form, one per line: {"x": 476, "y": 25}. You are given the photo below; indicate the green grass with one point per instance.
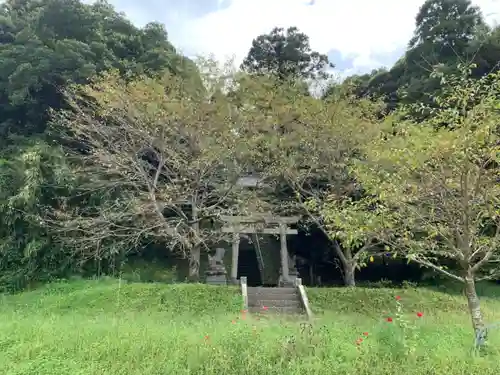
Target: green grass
{"x": 108, "y": 327}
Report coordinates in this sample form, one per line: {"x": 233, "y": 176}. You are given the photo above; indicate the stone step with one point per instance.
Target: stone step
{"x": 288, "y": 298}
{"x": 273, "y": 297}
{"x": 273, "y": 292}
{"x": 268, "y": 300}
{"x": 280, "y": 300}
{"x": 274, "y": 303}
{"x": 262, "y": 289}
{"x": 277, "y": 310}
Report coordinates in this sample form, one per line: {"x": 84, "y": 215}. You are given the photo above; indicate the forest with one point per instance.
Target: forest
{"x": 112, "y": 142}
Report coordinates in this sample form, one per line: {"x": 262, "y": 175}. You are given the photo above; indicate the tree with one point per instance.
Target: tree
{"x": 486, "y": 51}
{"x": 443, "y": 32}
{"x": 441, "y": 184}
{"x": 33, "y": 176}
{"x": 353, "y": 223}
{"x": 447, "y": 32}
{"x": 317, "y": 172}
{"x": 287, "y": 55}
{"x": 48, "y": 44}
{"x": 45, "y": 46}
{"x": 303, "y": 145}
{"x": 162, "y": 154}
{"x": 448, "y": 23}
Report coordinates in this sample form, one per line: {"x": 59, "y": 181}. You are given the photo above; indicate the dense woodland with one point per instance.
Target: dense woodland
{"x": 113, "y": 142}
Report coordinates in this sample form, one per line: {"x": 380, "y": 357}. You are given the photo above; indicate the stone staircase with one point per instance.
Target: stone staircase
{"x": 280, "y": 300}
{"x": 275, "y": 300}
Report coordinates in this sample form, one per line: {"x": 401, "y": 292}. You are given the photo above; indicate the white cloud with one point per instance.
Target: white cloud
{"x": 359, "y": 28}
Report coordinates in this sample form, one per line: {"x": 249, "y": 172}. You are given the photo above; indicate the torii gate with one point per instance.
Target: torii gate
{"x": 264, "y": 224}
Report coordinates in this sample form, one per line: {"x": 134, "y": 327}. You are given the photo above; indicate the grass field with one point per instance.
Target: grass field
{"x": 107, "y": 327}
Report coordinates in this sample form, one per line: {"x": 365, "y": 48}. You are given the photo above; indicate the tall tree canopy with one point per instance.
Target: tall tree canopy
{"x": 447, "y": 33}
{"x": 167, "y": 161}
{"x": 443, "y": 31}
{"x": 285, "y": 54}
{"x": 437, "y": 187}
{"x": 448, "y": 23}
{"x": 44, "y": 47}
{"x": 46, "y": 44}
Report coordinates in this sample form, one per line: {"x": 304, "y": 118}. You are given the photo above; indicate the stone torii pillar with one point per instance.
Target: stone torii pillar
{"x": 235, "y": 255}
{"x": 285, "y": 272}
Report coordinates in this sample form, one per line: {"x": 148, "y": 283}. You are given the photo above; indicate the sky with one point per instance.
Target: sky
{"x": 357, "y": 35}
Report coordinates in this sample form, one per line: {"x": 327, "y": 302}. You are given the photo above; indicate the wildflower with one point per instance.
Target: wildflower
{"x": 265, "y": 308}
{"x": 207, "y": 337}
{"x": 244, "y": 311}
{"x": 420, "y": 314}
{"x": 398, "y": 298}
{"x": 389, "y": 319}
{"x": 359, "y": 341}
{"x": 365, "y": 333}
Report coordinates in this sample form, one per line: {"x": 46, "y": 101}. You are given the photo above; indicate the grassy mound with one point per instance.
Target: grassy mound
{"x": 112, "y": 296}
{"x": 107, "y": 327}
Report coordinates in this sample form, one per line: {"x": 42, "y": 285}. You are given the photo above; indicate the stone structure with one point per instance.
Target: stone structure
{"x": 216, "y": 272}
{"x": 292, "y": 273}
{"x": 239, "y": 226}
{"x": 263, "y": 224}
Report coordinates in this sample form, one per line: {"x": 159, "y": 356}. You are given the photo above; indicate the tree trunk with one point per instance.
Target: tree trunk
{"x": 349, "y": 273}
{"x": 194, "y": 264}
{"x": 474, "y": 307}
{"x": 348, "y": 264}
{"x": 195, "y": 252}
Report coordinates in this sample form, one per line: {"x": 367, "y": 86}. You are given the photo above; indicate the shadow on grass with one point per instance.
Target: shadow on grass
{"x": 489, "y": 289}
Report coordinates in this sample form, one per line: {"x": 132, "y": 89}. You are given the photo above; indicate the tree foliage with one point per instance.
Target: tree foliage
{"x": 285, "y": 54}
{"x": 451, "y": 24}
{"x": 302, "y": 146}
{"x": 47, "y": 44}
{"x": 165, "y": 156}
{"x": 441, "y": 184}
{"x": 447, "y": 33}
{"x": 33, "y": 177}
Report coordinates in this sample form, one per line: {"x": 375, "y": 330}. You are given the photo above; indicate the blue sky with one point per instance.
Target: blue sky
{"x": 358, "y": 35}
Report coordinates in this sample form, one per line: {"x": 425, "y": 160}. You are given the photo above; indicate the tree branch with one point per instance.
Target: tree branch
{"x": 438, "y": 269}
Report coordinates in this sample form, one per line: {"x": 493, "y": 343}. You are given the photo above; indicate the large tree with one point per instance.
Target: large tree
{"x": 447, "y": 32}
{"x": 443, "y": 31}
{"x": 33, "y": 176}
{"x": 302, "y": 146}
{"x": 285, "y": 54}
{"x": 47, "y": 44}
{"x": 449, "y": 24}
{"x": 441, "y": 185}
{"x": 162, "y": 153}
